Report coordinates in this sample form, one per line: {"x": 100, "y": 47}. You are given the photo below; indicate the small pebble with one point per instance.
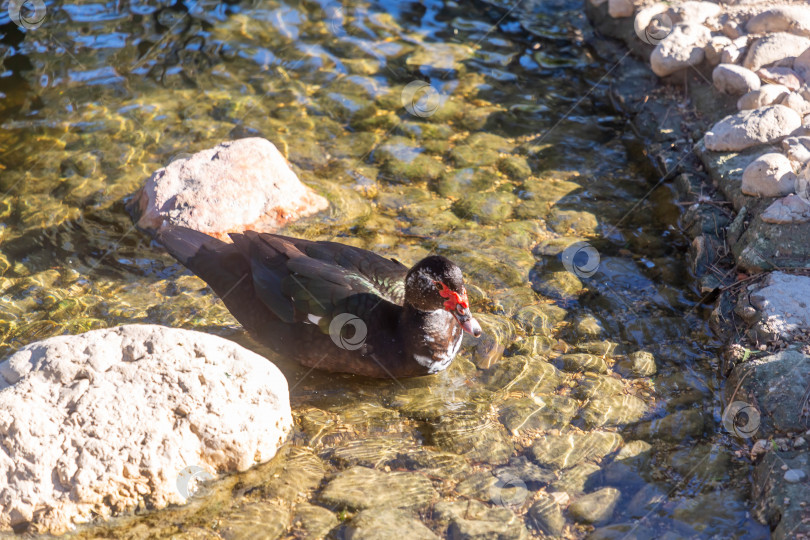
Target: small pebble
{"x": 794, "y": 476}
{"x": 799, "y": 442}
{"x": 784, "y": 467}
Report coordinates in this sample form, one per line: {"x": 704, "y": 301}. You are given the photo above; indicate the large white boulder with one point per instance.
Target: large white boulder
{"x": 237, "y": 185}
{"x": 98, "y": 423}
{"x": 750, "y": 128}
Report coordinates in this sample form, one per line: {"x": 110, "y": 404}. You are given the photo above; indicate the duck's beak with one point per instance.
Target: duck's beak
{"x": 468, "y": 322}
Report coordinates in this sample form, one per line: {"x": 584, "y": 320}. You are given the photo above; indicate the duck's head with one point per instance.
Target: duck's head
{"x": 436, "y": 283}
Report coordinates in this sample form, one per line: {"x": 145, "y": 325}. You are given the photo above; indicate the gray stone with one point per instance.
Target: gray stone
{"x": 576, "y": 480}
{"x": 637, "y": 364}
{"x": 750, "y": 128}
{"x": 795, "y": 101}
{"x": 777, "y": 49}
{"x": 570, "y": 449}
{"x": 386, "y": 523}
{"x": 98, "y": 422}
{"x": 596, "y": 507}
{"x": 735, "y": 80}
{"x": 547, "y": 516}
{"x": 783, "y": 303}
{"x": 313, "y": 522}
{"x": 473, "y": 520}
{"x": 770, "y": 175}
{"x": 361, "y": 487}
{"x": 675, "y": 427}
{"x": 794, "y": 476}
{"x": 797, "y": 149}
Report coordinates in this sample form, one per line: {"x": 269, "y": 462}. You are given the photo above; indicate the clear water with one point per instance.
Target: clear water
{"x": 514, "y": 156}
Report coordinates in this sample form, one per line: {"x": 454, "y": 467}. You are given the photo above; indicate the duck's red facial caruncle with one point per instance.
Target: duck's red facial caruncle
{"x": 459, "y": 306}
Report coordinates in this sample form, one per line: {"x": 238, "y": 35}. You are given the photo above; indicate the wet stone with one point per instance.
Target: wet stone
{"x": 582, "y": 362}
{"x": 537, "y": 413}
{"x": 547, "y": 516}
{"x": 540, "y": 318}
{"x": 531, "y": 375}
{"x": 436, "y": 464}
{"x": 572, "y": 221}
{"x": 370, "y": 452}
{"x": 459, "y": 182}
{"x": 535, "y": 345}
{"x": 302, "y": 472}
{"x": 637, "y": 364}
{"x": 675, "y": 427}
{"x": 473, "y": 520}
{"x": 515, "y": 167}
{"x": 615, "y": 410}
{"x": 487, "y": 208}
{"x": 595, "y": 385}
{"x": 313, "y": 522}
{"x": 361, "y": 487}
{"x": 386, "y": 523}
{"x": 596, "y": 507}
{"x": 570, "y": 449}
{"x": 646, "y": 500}
{"x": 427, "y": 403}
{"x": 588, "y": 326}
{"x": 578, "y": 479}
{"x": 532, "y": 475}
{"x": 262, "y": 519}
{"x": 557, "y": 285}
{"x": 476, "y": 438}
{"x": 479, "y": 149}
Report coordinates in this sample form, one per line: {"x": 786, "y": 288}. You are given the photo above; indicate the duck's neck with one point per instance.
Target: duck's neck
{"x": 433, "y": 337}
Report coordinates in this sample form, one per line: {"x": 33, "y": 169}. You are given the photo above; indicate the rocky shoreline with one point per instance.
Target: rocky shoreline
{"x": 742, "y": 177}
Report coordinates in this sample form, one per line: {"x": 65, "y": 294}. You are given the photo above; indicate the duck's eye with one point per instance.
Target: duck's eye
{"x": 460, "y": 309}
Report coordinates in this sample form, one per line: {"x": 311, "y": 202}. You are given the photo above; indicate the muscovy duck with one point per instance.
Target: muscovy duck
{"x": 331, "y": 306}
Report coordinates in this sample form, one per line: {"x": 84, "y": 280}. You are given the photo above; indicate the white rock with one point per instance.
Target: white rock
{"x": 693, "y": 12}
{"x": 104, "y": 421}
{"x": 682, "y": 48}
{"x": 793, "y": 19}
{"x": 653, "y": 23}
{"x": 802, "y": 66}
{"x": 780, "y": 75}
{"x": 714, "y": 49}
{"x": 768, "y": 94}
{"x": 620, "y": 8}
{"x": 797, "y": 149}
{"x": 778, "y": 49}
{"x": 237, "y": 185}
{"x": 794, "y": 476}
{"x": 733, "y": 79}
{"x": 783, "y": 303}
{"x": 790, "y": 209}
{"x": 796, "y": 102}
{"x": 732, "y": 29}
{"x": 750, "y": 128}
{"x": 770, "y": 175}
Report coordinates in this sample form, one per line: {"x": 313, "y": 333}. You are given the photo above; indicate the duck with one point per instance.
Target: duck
{"x": 331, "y": 306}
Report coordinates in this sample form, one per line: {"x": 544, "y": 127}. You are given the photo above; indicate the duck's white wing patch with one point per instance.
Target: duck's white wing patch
{"x": 314, "y": 319}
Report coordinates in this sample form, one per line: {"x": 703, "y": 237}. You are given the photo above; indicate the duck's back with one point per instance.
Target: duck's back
{"x": 311, "y": 300}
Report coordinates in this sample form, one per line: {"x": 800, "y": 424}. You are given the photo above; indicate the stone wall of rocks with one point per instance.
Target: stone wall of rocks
{"x": 738, "y": 153}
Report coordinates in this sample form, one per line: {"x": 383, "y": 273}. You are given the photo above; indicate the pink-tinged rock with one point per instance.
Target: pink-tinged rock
{"x": 792, "y": 19}
{"x": 797, "y": 149}
{"x": 802, "y": 66}
{"x": 795, "y": 101}
{"x": 768, "y": 94}
{"x": 733, "y": 79}
{"x": 780, "y": 75}
{"x": 750, "y": 128}
{"x": 714, "y": 49}
{"x": 682, "y": 48}
{"x": 790, "y": 209}
{"x": 732, "y": 29}
{"x": 620, "y": 8}
{"x": 238, "y": 185}
{"x": 778, "y": 49}
{"x": 693, "y": 12}
{"x": 770, "y": 175}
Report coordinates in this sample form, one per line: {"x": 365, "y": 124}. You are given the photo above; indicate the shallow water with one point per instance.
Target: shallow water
{"x": 510, "y": 156}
